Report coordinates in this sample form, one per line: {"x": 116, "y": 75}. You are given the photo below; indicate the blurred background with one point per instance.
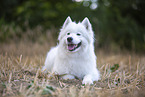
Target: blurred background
{"x": 118, "y": 24}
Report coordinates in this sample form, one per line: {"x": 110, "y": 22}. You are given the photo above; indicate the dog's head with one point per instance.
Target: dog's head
{"x": 75, "y": 36}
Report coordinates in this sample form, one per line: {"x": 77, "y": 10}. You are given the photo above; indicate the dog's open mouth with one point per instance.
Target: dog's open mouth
{"x": 72, "y": 47}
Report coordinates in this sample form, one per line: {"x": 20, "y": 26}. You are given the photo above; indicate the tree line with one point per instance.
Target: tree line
{"x": 115, "y": 22}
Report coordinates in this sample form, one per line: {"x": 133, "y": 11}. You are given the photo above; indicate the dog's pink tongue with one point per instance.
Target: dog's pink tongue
{"x": 71, "y": 46}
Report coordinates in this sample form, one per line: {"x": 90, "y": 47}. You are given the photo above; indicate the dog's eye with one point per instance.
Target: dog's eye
{"x": 78, "y": 34}
{"x": 68, "y": 33}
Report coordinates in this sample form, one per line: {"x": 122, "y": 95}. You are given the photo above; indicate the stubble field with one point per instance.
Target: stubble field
{"x": 122, "y": 74}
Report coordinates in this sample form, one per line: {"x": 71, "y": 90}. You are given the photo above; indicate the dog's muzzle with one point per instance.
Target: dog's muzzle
{"x": 71, "y": 46}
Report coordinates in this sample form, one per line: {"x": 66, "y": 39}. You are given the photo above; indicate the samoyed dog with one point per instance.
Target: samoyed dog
{"x": 74, "y": 55}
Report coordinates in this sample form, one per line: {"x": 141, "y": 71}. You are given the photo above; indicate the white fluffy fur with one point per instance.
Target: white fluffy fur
{"x": 80, "y": 63}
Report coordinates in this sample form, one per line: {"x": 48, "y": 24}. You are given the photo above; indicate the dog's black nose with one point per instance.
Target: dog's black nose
{"x": 69, "y": 39}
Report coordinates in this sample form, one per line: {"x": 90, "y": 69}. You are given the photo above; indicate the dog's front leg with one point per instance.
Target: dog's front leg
{"x": 87, "y": 79}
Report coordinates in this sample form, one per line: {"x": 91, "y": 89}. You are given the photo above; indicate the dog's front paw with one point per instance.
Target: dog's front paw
{"x": 68, "y": 77}
{"x": 87, "y": 81}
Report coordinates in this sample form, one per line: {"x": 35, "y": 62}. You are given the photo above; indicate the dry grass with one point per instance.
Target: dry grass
{"x": 20, "y": 74}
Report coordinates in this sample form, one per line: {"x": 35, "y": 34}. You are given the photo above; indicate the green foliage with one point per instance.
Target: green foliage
{"x": 120, "y": 23}
{"x": 118, "y": 26}
{"x": 9, "y": 31}
{"x": 45, "y": 90}
{"x": 114, "y": 67}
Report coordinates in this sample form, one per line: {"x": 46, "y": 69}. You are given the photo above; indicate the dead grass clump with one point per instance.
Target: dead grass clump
{"x": 122, "y": 74}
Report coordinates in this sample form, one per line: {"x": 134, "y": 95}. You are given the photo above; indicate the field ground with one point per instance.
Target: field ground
{"x": 122, "y": 74}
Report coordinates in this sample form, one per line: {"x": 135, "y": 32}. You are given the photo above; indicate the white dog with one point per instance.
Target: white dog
{"x": 74, "y": 55}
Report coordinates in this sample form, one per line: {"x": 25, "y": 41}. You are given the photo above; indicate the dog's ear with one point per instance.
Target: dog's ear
{"x": 87, "y": 24}
{"x": 67, "y": 21}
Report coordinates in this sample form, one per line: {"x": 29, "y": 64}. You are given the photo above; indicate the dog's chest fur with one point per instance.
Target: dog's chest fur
{"x": 78, "y": 65}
